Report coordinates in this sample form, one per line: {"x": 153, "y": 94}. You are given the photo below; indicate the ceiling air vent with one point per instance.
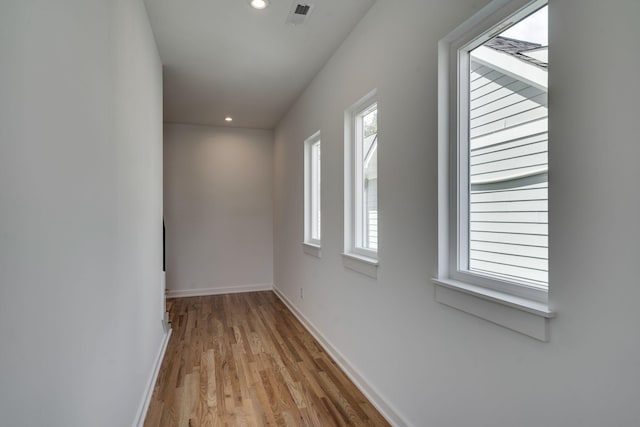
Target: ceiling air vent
{"x": 299, "y": 12}
{"x": 302, "y": 9}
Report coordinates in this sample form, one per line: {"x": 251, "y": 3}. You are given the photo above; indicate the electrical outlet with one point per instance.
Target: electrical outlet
{"x": 301, "y": 294}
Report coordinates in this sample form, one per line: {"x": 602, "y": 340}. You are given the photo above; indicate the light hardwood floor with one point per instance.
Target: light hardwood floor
{"x": 244, "y": 359}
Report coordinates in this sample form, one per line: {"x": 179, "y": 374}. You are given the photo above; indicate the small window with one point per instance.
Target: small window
{"x": 493, "y": 143}
{"x": 361, "y": 164}
{"x": 312, "y": 205}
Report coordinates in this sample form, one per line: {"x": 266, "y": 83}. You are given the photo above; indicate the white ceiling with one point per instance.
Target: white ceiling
{"x": 222, "y": 57}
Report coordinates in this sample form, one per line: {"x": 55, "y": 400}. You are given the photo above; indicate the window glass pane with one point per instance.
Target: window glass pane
{"x": 369, "y": 161}
{"x": 315, "y": 191}
{"x": 508, "y": 154}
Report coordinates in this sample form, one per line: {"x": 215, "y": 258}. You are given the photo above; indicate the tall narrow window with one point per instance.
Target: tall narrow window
{"x": 367, "y": 177}
{"x": 361, "y": 163}
{"x": 312, "y": 190}
{"x": 494, "y": 155}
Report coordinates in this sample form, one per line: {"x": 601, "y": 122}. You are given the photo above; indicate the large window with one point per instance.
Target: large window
{"x": 494, "y": 156}
{"x": 312, "y": 205}
{"x": 362, "y": 174}
{"x": 505, "y": 235}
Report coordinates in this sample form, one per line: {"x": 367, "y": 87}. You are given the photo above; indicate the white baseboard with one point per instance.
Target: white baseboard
{"x": 182, "y": 293}
{"x": 387, "y": 411}
{"x": 146, "y": 400}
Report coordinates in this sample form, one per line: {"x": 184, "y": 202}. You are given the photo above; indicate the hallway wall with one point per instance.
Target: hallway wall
{"x": 80, "y": 212}
{"x": 218, "y": 209}
{"x": 434, "y": 365}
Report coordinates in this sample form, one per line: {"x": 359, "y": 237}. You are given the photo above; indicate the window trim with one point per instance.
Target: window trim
{"x": 311, "y": 244}
{"x": 527, "y": 310}
{"x": 352, "y": 195}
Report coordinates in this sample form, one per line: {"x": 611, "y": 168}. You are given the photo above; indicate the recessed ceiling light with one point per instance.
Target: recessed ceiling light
{"x": 259, "y": 4}
{"x": 228, "y": 119}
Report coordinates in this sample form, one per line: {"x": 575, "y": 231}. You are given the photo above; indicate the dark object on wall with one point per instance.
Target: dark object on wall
{"x": 164, "y": 256}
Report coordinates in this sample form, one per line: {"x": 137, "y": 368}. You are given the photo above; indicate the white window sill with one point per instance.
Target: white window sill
{"x": 312, "y": 249}
{"x": 525, "y": 316}
{"x": 362, "y": 264}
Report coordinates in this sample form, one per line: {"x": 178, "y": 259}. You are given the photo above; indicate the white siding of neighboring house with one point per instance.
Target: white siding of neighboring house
{"x": 372, "y": 214}
{"x": 371, "y": 193}
{"x": 508, "y": 164}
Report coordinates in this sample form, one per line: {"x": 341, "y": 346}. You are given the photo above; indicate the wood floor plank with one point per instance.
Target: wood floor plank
{"x": 245, "y": 360}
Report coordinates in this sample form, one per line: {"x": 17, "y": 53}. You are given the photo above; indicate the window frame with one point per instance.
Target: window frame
{"x": 454, "y": 188}
{"x": 354, "y": 180}
{"x": 312, "y": 191}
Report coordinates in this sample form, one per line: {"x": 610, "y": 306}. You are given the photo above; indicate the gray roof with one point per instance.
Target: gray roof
{"x": 516, "y": 48}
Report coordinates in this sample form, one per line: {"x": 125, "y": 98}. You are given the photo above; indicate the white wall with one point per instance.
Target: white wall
{"x": 218, "y": 209}
{"x": 437, "y": 366}
{"x": 80, "y": 211}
